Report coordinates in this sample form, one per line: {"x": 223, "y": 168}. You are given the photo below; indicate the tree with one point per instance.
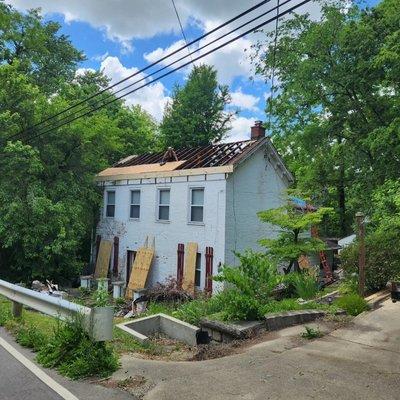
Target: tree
{"x": 335, "y": 114}
{"x": 47, "y": 57}
{"x": 292, "y": 241}
{"x": 196, "y": 115}
{"x": 49, "y": 200}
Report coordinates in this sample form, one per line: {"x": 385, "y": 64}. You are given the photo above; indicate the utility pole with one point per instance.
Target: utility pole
{"x": 360, "y": 218}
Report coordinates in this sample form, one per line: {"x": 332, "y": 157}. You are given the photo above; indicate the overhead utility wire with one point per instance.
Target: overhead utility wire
{"x": 180, "y": 24}
{"x": 273, "y": 68}
{"x": 181, "y": 66}
{"x": 89, "y": 107}
{"x": 249, "y": 10}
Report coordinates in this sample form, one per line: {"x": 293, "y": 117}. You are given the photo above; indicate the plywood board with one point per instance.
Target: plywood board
{"x": 143, "y": 168}
{"x": 140, "y": 270}
{"x": 189, "y": 270}
{"x": 304, "y": 262}
{"x": 103, "y": 259}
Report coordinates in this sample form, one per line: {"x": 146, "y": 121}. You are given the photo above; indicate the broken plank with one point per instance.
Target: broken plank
{"x": 103, "y": 259}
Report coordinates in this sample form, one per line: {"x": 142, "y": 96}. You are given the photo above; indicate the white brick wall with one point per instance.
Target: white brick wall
{"x": 167, "y": 235}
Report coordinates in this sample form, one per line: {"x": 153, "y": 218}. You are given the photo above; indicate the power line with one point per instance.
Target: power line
{"x": 273, "y": 67}
{"x": 249, "y": 10}
{"x": 89, "y": 107}
{"x": 179, "y": 67}
{"x": 180, "y": 24}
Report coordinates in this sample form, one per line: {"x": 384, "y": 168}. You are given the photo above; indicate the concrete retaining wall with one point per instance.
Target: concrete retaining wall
{"x": 275, "y": 321}
{"x": 142, "y": 328}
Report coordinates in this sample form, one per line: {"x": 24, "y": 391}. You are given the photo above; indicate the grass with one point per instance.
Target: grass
{"x": 352, "y": 303}
{"x": 311, "y": 333}
{"x": 64, "y": 346}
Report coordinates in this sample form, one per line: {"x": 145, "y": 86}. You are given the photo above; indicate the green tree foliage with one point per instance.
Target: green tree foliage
{"x": 293, "y": 239}
{"x": 40, "y": 51}
{"x": 382, "y": 241}
{"x": 49, "y": 201}
{"x": 196, "y": 116}
{"x": 335, "y": 114}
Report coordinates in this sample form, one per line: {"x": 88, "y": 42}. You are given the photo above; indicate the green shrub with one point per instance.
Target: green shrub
{"x": 236, "y": 306}
{"x": 382, "y": 258}
{"x": 305, "y": 284}
{"x": 75, "y": 355}
{"x": 349, "y": 285}
{"x": 353, "y": 304}
{"x": 256, "y": 276}
{"x": 30, "y": 336}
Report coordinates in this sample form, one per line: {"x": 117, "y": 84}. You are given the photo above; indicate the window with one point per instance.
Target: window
{"x": 163, "y": 204}
{"x": 196, "y": 204}
{"x": 135, "y": 204}
{"x": 197, "y": 276}
{"x": 110, "y": 205}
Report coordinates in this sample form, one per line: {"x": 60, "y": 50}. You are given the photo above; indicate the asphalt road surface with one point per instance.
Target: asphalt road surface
{"x": 18, "y": 382}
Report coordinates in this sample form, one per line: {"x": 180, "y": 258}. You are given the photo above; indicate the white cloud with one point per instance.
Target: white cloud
{"x": 127, "y": 20}
{"x": 152, "y": 98}
{"x": 82, "y": 71}
{"x": 159, "y": 53}
{"x": 240, "y": 129}
{"x": 244, "y": 101}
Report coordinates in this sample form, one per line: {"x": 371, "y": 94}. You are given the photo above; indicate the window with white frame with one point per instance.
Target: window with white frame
{"x": 110, "y": 203}
{"x": 163, "y": 204}
{"x": 197, "y": 276}
{"x": 196, "y": 204}
{"x": 134, "y": 211}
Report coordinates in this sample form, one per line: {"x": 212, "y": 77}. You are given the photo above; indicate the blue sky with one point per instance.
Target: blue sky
{"x": 122, "y": 36}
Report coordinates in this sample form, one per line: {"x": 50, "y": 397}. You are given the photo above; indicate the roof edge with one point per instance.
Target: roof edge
{"x": 167, "y": 174}
{"x": 266, "y": 141}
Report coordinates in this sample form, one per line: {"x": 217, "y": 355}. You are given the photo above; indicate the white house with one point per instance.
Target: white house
{"x": 208, "y": 195}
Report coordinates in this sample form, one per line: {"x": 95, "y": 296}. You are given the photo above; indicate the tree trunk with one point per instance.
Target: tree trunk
{"x": 342, "y": 198}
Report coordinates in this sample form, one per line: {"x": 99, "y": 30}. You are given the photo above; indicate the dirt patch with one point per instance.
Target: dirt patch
{"x": 136, "y": 385}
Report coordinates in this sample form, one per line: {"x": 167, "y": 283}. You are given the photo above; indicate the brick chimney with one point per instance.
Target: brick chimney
{"x": 257, "y": 131}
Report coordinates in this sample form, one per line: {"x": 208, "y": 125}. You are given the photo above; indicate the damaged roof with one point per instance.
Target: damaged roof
{"x": 221, "y": 157}
{"x": 213, "y": 155}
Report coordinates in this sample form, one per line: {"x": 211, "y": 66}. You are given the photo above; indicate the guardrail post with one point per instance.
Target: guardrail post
{"x": 16, "y": 309}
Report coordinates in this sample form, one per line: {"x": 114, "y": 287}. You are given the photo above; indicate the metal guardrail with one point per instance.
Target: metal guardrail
{"x": 97, "y": 321}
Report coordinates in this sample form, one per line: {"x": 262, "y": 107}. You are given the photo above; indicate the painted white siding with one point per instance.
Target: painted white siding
{"x": 132, "y": 233}
{"x": 254, "y": 186}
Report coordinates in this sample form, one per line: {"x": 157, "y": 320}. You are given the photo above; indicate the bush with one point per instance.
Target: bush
{"x": 255, "y": 277}
{"x": 382, "y": 258}
{"x": 305, "y": 284}
{"x": 349, "y": 285}
{"x": 353, "y": 304}
{"x": 236, "y": 306}
{"x": 75, "y": 355}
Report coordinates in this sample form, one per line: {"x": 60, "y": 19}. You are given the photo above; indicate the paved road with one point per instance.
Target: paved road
{"x": 17, "y": 382}
{"x": 360, "y": 361}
